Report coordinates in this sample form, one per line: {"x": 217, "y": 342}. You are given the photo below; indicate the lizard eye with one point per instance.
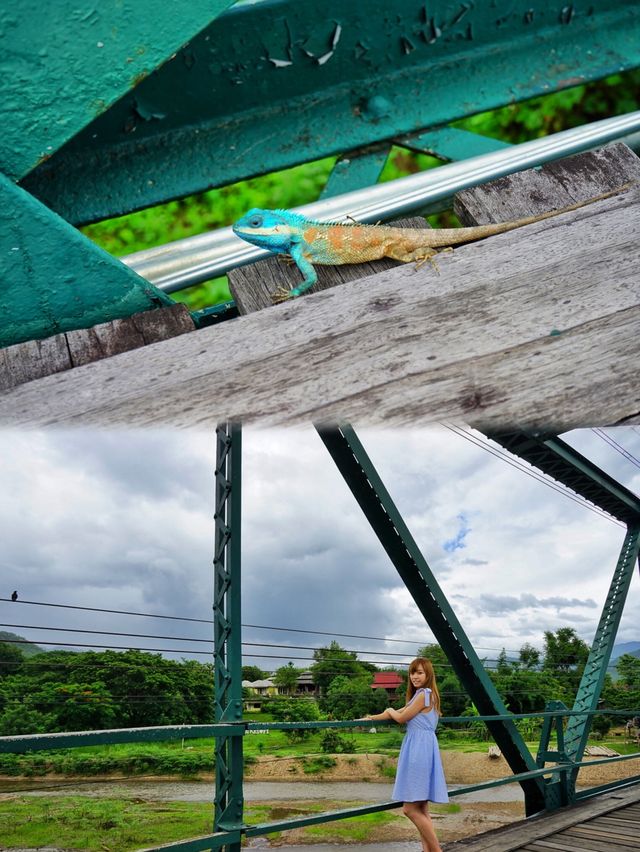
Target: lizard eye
{"x": 255, "y": 221}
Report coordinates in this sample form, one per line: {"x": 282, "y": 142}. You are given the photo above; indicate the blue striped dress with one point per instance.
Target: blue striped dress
{"x": 419, "y": 777}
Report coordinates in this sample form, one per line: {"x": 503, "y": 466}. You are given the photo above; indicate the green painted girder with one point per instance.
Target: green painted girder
{"x": 272, "y": 84}
{"x": 356, "y": 171}
{"x": 54, "y": 279}
{"x": 563, "y": 463}
{"x": 229, "y": 803}
{"x": 64, "y": 63}
{"x": 386, "y": 521}
{"x": 590, "y": 689}
{"x": 80, "y": 739}
{"x": 219, "y": 840}
{"x": 452, "y": 143}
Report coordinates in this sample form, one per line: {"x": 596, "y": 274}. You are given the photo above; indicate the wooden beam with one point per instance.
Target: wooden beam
{"x": 535, "y": 328}
{"x": 34, "y": 359}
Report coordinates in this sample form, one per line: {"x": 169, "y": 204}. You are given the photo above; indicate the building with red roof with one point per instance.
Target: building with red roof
{"x": 389, "y": 681}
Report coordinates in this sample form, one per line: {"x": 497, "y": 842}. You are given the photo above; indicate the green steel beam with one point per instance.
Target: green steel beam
{"x": 229, "y": 802}
{"x": 451, "y": 143}
{"x": 54, "y": 279}
{"x": 360, "y": 475}
{"x": 199, "y": 844}
{"x": 556, "y": 458}
{"x": 590, "y": 689}
{"x": 63, "y": 63}
{"x": 356, "y": 170}
{"x": 271, "y": 84}
{"x": 80, "y": 739}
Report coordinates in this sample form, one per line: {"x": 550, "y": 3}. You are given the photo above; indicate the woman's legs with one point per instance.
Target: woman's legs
{"x": 418, "y": 813}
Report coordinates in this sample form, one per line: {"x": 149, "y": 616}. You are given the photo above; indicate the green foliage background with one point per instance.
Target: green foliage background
{"x": 302, "y": 184}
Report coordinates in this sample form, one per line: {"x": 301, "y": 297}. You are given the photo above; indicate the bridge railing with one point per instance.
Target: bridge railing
{"x": 231, "y": 837}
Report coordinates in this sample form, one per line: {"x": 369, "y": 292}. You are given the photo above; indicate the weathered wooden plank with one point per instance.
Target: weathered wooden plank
{"x": 537, "y": 327}
{"x": 557, "y": 843}
{"x": 625, "y": 817}
{"x": 595, "y": 831}
{"x": 624, "y": 826}
{"x": 32, "y": 360}
{"x": 560, "y": 843}
{"x": 557, "y": 184}
{"x": 25, "y": 362}
{"x": 584, "y": 844}
{"x": 629, "y": 816}
{"x": 592, "y": 832}
{"x": 253, "y": 286}
{"x": 121, "y": 335}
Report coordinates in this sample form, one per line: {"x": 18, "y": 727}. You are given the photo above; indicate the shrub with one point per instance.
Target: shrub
{"x": 332, "y": 742}
{"x": 317, "y": 764}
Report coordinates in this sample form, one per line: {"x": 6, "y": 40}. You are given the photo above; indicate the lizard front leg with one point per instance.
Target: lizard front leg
{"x": 303, "y": 262}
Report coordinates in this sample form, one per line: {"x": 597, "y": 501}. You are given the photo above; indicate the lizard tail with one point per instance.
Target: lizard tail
{"x": 454, "y": 236}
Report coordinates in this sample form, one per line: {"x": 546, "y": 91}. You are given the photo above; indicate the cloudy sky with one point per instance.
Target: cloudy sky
{"x": 123, "y": 521}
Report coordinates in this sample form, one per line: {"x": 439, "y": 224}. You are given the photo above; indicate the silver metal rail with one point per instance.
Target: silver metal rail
{"x": 192, "y": 260}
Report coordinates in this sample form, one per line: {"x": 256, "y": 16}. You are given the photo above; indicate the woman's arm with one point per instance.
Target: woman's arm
{"x": 417, "y": 704}
{"x": 378, "y": 716}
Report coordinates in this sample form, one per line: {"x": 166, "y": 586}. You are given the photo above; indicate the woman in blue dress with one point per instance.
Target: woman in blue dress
{"x": 419, "y": 777}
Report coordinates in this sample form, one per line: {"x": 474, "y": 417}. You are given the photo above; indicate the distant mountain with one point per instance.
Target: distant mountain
{"x": 626, "y": 648}
{"x": 27, "y": 648}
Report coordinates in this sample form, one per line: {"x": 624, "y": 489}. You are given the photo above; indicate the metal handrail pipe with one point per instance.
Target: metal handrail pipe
{"x": 192, "y": 260}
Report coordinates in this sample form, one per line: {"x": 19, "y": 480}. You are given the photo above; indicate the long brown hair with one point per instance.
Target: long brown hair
{"x": 430, "y": 682}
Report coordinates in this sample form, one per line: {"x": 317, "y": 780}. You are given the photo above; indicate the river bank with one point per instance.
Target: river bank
{"x": 460, "y": 768}
{"x": 279, "y": 787}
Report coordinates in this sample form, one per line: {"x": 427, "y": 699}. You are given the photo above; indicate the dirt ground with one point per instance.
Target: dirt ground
{"x": 459, "y": 768}
{"x": 471, "y": 820}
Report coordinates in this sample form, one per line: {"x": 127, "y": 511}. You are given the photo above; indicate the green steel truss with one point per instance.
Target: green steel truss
{"x": 268, "y": 85}
{"x": 575, "y": 737}
{"x": 560, "y": 461}
{"x": 227, "y": 636}
{"x": 360, "y": 475}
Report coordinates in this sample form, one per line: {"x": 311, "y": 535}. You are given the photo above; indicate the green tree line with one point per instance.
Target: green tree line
{"x": 68, "y": 691}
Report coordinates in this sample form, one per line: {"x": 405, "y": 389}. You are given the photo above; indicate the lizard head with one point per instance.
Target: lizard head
{"x": 274, "y": 230}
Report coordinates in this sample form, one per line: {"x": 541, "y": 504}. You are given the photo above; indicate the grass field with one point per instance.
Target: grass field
{"x": 120, "y": 825}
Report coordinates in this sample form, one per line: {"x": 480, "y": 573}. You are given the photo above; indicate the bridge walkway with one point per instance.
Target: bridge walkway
{"x": 609, "y": 822}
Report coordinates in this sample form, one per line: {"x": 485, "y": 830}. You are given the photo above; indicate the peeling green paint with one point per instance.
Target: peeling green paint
{"x": 54, "y": 279}
{"x": 269, "y": 85}
{"x": 62, "y": 63}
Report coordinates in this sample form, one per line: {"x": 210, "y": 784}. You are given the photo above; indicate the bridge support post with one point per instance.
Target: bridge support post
{"x": 229, "y": 801}
{"x": 590, "y": 689}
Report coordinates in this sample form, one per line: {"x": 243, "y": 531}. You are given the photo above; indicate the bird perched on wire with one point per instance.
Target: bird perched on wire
{"x": 14, "y": 596}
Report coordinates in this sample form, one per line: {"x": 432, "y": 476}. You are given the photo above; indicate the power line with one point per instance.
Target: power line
{"x": 414, "y": 642}
{"x": 189, "y": 651}
{"x": 616, "y": 446}
{"x": 206, "y": 641}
